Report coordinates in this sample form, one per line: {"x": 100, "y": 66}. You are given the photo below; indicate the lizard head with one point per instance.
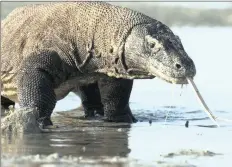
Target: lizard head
{"x": 157, "y": 51}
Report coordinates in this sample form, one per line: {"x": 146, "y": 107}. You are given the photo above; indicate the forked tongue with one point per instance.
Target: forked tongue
{"x": 200, "y": 98}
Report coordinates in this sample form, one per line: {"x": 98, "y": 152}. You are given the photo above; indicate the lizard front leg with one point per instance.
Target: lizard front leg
{"x": 115, "y": 95}
{"x": 38, "y": 76}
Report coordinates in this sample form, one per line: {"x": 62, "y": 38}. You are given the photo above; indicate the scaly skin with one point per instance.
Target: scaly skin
{"x": 97, "y": 98}
{"x": 91, "y": 99}
{"x": 49, "y": 50}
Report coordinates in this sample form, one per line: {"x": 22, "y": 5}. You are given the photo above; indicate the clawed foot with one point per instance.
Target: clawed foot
{"x": 127, "y": 118}
{"x": 99, "y": 113}
{"x": 46, "y": 123}
{"x": 92, "y": 114}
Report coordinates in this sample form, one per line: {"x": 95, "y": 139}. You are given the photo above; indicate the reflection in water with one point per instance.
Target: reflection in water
{"x": 93, "y": 143}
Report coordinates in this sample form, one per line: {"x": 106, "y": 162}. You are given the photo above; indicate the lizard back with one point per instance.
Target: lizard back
{"x": 64, "y": 28}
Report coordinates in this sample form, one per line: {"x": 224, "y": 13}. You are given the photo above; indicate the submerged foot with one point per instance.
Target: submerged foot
{"x": 127, "y": 118}
{"x": 123, "y": 116}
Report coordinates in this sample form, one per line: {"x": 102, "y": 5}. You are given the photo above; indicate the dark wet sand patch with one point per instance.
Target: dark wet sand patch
{"x": 207, "y": 126}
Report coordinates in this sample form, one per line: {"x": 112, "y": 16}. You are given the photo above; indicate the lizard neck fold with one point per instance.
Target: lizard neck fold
{"x": 110, "y": 43}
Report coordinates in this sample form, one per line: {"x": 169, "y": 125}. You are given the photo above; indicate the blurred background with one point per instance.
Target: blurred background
{"x": 170, "y": 13}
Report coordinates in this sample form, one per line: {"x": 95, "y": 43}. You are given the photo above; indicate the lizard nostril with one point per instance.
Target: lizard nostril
{"x": 178, "y": 66}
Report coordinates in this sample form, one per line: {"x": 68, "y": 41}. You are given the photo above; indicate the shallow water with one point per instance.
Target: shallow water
{"x": 141, "y": 144}
{"x": 164, "y": 142}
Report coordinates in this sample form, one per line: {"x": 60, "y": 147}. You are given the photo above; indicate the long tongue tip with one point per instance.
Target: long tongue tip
{"x": 201, "y": 100}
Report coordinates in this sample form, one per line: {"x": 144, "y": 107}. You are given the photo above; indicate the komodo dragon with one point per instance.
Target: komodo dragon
{"x": 48, "y": 50}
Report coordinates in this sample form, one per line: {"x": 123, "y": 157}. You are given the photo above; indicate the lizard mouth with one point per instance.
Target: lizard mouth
{"x": 169, "y": 79}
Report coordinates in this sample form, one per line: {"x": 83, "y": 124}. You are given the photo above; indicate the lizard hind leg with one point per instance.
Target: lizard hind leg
{"x": 91, "y": 99}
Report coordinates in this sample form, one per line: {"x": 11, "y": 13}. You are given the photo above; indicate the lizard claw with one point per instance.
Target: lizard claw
{"x": 44, "y": 123}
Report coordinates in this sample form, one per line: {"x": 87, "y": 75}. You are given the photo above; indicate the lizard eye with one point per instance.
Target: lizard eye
{"x": 152, "y": 45}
